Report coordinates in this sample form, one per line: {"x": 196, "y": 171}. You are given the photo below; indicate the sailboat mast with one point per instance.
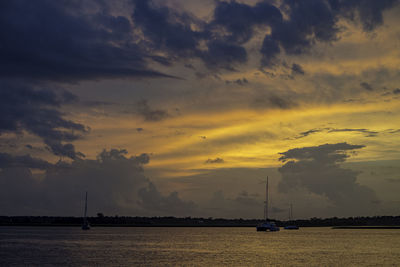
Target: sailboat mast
{"x": 291, "y": 212}
{"x": 85, "y": 206}
{"x": 266, "y": 200}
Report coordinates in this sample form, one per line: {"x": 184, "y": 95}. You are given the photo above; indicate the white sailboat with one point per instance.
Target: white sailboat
{"x": 85, "y": 225}
{"x": 267, "y": 225}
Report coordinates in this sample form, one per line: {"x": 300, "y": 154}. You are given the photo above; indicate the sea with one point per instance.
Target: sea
{"x": 197, "y": 246}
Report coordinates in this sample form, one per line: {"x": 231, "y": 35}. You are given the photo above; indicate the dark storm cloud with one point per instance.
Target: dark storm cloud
{"x": 233, "y": 24}
{"x": 10, "y": 161}
{"x": 317, "y": 169}
{"x": 150, "y": 114}
{"x": 223, "y": 55}
{"x": 369, "y": 12}
{"x": 214, "y": 161}
{"x": 57, "y": 40}
{"x": 24, "y": 108}
{"x": 172, "y": 33}
{"x": 239, "y": 19}
{"x": 71, "y": 40}
{"x": 308, "y": 22}
{"x": 115, "y": 182}
{"x": 316, "y": 21}
{"x": 165, "y": 29}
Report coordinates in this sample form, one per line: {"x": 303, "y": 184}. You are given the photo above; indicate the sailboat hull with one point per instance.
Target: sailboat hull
{"x": 291, "y": 227}
{"x": 267, "y": 226}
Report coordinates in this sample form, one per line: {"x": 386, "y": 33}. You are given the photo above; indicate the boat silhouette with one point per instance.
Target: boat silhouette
{"x": 291, "y": 226}
{"x": 267, "y": 225}
{"x": 85, "y": 224}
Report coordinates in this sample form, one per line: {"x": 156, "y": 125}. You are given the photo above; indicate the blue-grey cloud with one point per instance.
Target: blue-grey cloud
{"x": 317, "y": 169}
{"x": 115, "y": 182}
{"x": 11, "y": 161}
{"x": 59, "y": 40}
{"x": 67, "y": 41}
{"x": 24, "y": 108}
{"x": 316, "y": 21}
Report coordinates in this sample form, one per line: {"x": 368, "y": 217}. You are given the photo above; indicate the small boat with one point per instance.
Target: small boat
{"x": 291, "y": 226}
{"x": 267, "y": 225}
{"x": 85, "y": 224}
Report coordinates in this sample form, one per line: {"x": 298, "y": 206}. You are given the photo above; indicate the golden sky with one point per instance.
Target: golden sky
{"x": 208, "y": 90}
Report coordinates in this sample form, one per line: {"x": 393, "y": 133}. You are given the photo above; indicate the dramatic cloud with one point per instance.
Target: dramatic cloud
{"x": 317, "y": 169}
{"x": 165, "y": 29}
{"x": 255, "y": 72}
{"x": 64, "y": 41}
{"x": 69, "y": 41}
{"x": 24, "y": 108}
{"x": 316, "y": 21}
{"x": 115, "y": 183}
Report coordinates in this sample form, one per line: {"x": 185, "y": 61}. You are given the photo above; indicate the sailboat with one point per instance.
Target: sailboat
{"x": 291, "y": 226}
{"x": 85, "y": 225}
{"x": 266, "y": 225}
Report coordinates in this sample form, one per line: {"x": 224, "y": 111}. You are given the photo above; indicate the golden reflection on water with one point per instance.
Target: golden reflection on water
{"x": 197, "y": 247}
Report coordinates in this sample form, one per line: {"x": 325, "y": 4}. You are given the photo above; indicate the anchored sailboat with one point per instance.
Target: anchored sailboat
{"x": 291, "y": 226}
{"x": 267, "y": 226}
{"x": 85, "y": 225}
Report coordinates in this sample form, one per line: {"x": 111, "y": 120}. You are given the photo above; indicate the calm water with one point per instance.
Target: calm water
{"x": 196, "y": 247}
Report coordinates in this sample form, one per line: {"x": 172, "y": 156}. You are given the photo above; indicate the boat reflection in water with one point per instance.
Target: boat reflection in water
{"x": 267, "y": 225}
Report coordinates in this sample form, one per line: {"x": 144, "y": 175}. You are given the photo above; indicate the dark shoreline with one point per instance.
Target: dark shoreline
{"x": 376, "y": 222}
{"x": 196, "y": 226}
{"x": 366, "y": 227}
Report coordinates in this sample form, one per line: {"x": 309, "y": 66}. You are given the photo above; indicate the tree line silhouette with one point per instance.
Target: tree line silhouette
{"x": 127, "y": 221}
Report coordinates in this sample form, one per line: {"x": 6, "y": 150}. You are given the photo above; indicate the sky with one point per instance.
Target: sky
{"x": 183, "y": 107}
